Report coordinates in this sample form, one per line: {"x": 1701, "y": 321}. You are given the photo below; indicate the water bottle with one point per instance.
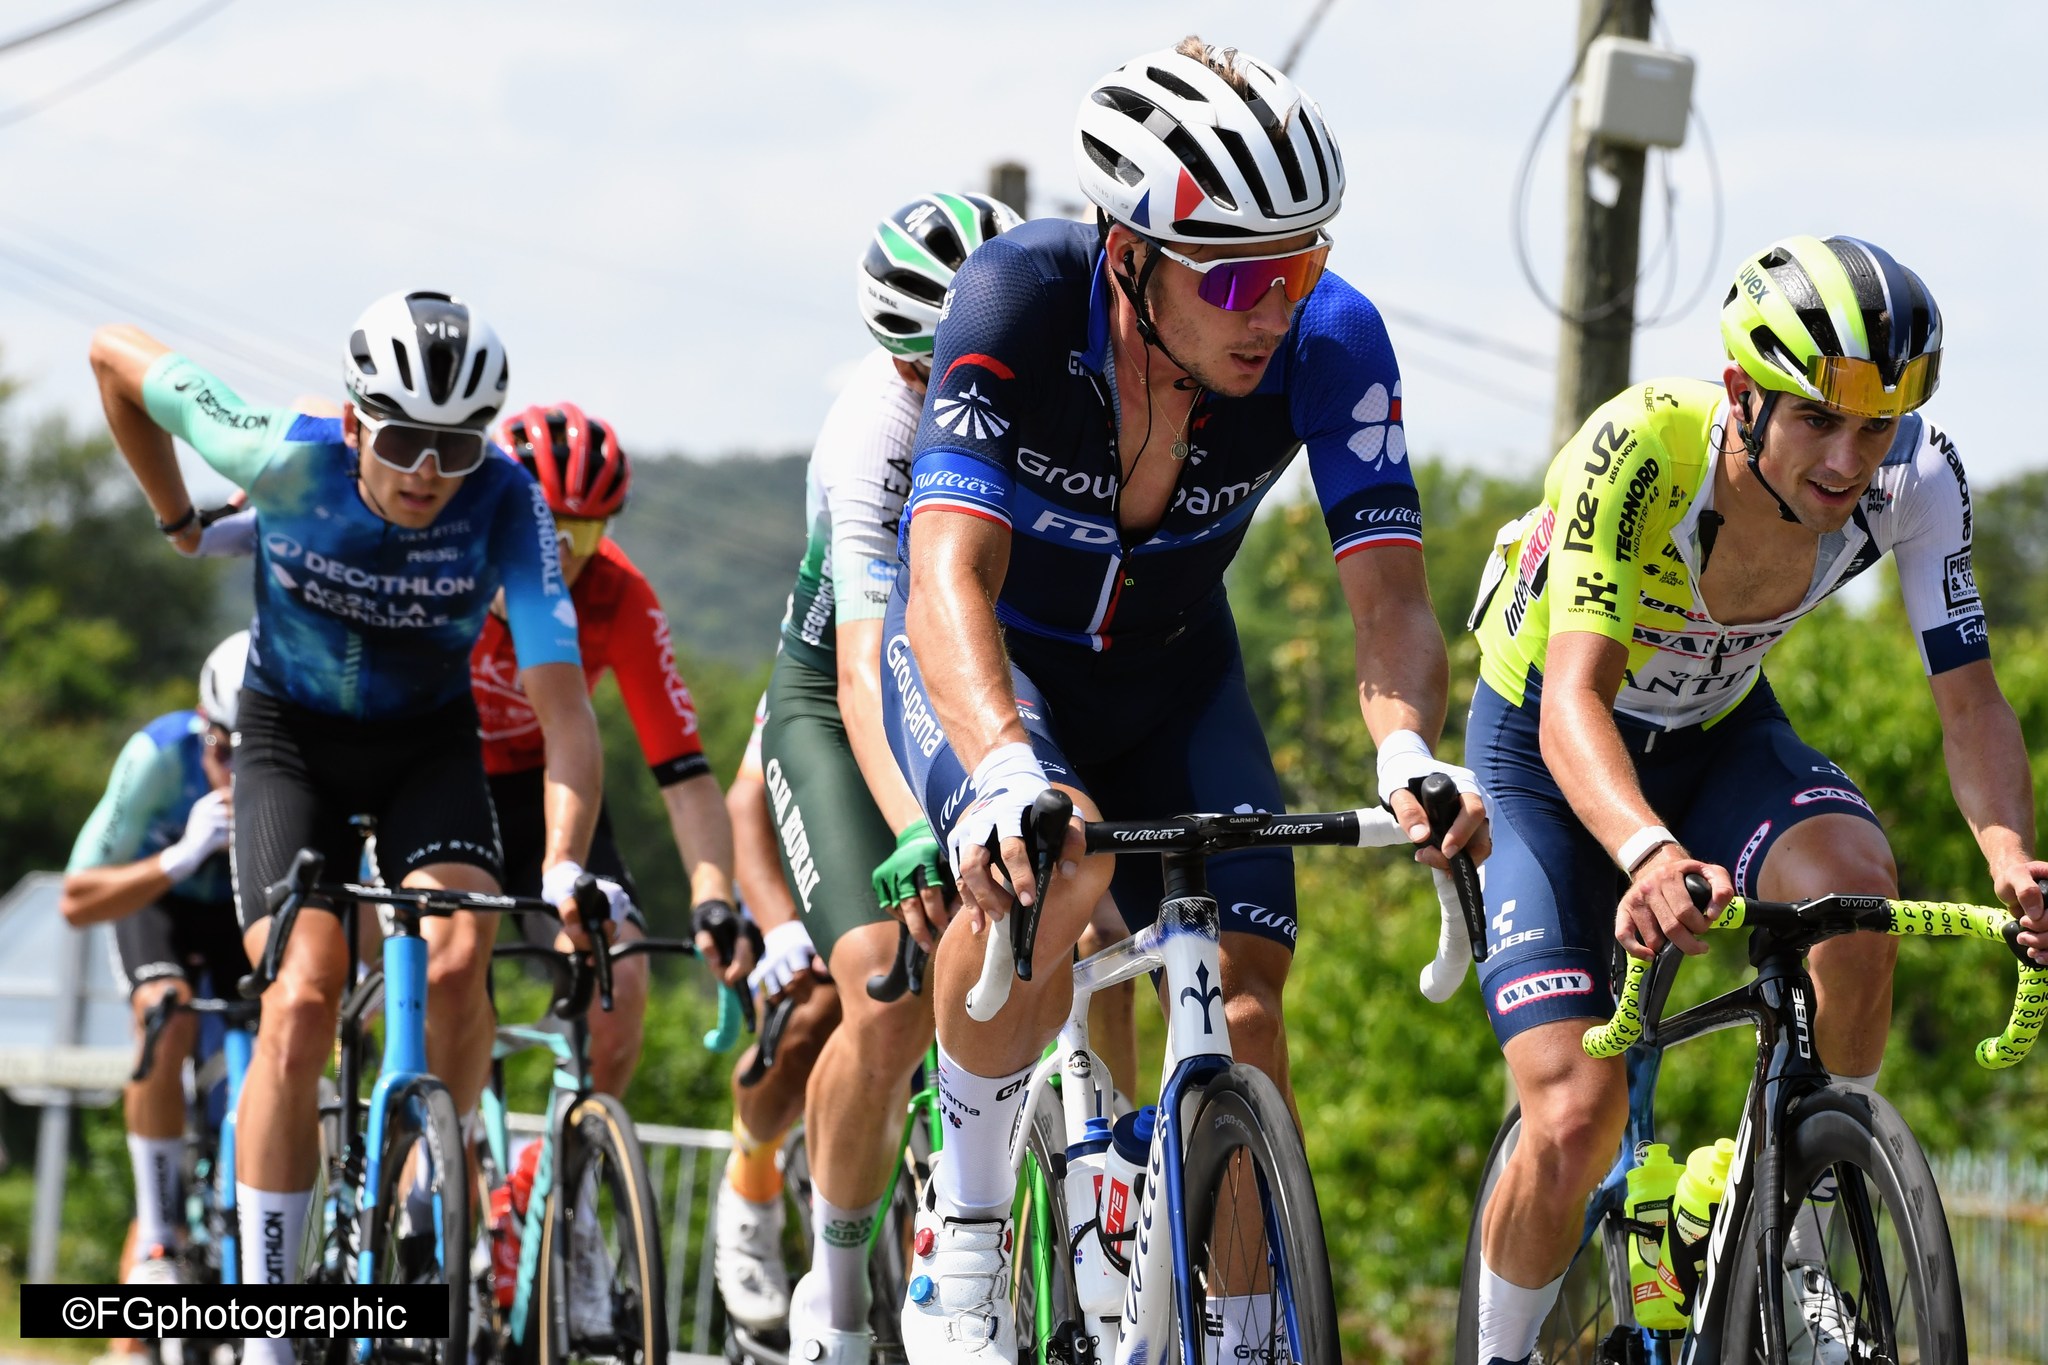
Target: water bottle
{"x": 1694, "y": 1203}
{"x": 1098, "y": 1287}
{"x": 1652, "y": 1181}
{"x": 1123, "y": 1183}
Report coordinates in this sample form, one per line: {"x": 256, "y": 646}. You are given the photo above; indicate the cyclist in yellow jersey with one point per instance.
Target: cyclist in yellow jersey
{"x": 1626, "y": 735}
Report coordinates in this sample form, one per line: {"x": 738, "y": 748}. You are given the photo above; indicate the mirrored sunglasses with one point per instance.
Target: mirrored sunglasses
{"x": 1237, "y": 283}
{"x": 405, "y": 446}
{"x": 1856, "y": 386}
{"x": 581, "y": 535}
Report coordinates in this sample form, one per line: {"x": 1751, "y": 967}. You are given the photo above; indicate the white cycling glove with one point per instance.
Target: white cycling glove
{"x": 1405, "y": 756}
{"x": 229, "y": 537}
{"x": 786, "y": 952}
{"x": 206, "y": 833}
{"x": 558, "y": 883}
{"x": 1004, "y": 785}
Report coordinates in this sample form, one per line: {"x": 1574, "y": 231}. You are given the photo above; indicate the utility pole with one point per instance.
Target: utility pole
{"x": 1010, "y": 181}
{"x": 1603, "y": 222}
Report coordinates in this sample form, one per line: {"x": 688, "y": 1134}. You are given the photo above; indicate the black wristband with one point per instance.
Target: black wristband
{"x": 182, "y": 524}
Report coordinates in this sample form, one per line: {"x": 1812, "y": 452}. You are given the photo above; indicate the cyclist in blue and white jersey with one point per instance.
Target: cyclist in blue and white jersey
{"x": 152, "y": 860}
{"x": 382, "y": 537}
{"x": 1108, "y": 404}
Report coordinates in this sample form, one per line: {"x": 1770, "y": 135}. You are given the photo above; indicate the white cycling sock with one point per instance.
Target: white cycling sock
{"x": 1806, "y": 1241}
{"x": 273, "y": 1226}
{"x": 1510, "y": 1316}
{"x": 159, "y": 1166}
{"x": 839, "y": 1251}
{"x": 1240, "y": 1328}
{"x": 974, "y": 1172}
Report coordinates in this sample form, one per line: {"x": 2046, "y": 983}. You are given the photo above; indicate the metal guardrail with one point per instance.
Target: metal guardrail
{"x": 684, "y": 1165}
{"x": 1997, "y": 1208}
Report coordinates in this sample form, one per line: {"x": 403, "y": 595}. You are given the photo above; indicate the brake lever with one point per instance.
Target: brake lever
{"x": 1439, "y": 797}
{"x": 1045, "y": 830}
{"x": 595, "y": 910}
{"x": 770, "y": 1041}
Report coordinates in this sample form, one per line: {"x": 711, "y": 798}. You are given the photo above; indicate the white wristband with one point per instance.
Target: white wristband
{"x": 1640, "y": 845}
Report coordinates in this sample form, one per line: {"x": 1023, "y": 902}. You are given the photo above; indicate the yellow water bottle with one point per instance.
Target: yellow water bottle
{"x": 1652, "y": 1182}
{"x": 1693, "y": 1206}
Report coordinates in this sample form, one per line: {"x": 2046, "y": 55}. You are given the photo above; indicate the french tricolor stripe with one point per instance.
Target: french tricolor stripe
{"x": 941, "y": 503}
{"x": 1368, "y": 540}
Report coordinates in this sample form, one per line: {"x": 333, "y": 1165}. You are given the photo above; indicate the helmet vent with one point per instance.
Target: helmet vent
{"x": 895, "y": 324}
{"x": 944, "y": 243}
{"x": 1112, "y": 161}
{"x": 1182, "y": 144}
{"x": 444, "y": 366}
{"x": 359, "y": 351}
{"x": 1169, "y": 81}
{"x": 476, "y": 375}
{"x": 404, "y": 365}
{"x": 1233, "y": 142}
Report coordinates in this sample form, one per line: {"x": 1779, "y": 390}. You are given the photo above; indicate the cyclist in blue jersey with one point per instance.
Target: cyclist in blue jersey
{"x": 1108, "y": 404}
{"x": 152, "y": 860}
{"x": 382, "y": 537}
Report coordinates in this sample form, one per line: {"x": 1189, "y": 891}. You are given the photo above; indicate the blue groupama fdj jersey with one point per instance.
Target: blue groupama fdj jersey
{"x": 147, "y": 802}
{"x": 1020, "y": 428}
{"x": 355, "y": 616}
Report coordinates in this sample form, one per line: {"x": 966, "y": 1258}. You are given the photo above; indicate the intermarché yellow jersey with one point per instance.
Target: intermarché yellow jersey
{"x": 1615, "y": 548}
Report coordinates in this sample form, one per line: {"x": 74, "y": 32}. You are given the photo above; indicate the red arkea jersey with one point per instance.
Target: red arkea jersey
{"x": 621, "y": 627}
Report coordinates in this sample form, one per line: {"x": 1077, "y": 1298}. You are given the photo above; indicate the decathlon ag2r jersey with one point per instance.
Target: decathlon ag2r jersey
{"x": 355, "y": 616}
{"x": 1615, "y": 549}
{"x": 147, "y": 802}
{"x": 854, "y": 489}
{"x": 1020, "y": 427}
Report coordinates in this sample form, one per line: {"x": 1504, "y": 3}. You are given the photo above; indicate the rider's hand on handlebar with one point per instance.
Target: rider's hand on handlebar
{"x": 788, "y": 960}
{"x": 558, "y": 888}
{"x": 726, "y": 939}
{"x": 1658, "y": 909}
{"x": 2020, "y": 884}
{"x": 1005, "y": 783}
{"x": 910, "y": 884}
{"x": 1403, "y": 757}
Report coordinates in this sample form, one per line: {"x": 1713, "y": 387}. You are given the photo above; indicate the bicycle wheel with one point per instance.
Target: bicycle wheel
{"x": 1048, "y": 1312}
{"x": 420, "y": 1126}
{"x": 1270, "y": 1284}
{"x": 601, "y": 1290}
{"x": 1597, "y": 1281}
{"x": 1889, "y": 1270}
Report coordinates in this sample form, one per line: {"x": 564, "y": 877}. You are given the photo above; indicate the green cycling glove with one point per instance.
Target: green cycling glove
{"x": 917, "y": 862}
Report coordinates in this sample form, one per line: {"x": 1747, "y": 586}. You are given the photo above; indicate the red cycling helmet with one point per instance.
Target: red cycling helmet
{"x": 578, "y": 461}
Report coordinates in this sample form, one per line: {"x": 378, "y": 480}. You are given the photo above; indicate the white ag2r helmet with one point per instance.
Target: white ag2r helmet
{"x": 220, "y": 680}
{"x": 425, "y": 357}
{"x": 1177, "y": 152}
{"x": 910, "y": 261}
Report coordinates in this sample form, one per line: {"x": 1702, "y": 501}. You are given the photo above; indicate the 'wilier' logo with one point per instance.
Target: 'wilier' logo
{"x": 969, "y": 414}
{"x": 1596, "y": 591}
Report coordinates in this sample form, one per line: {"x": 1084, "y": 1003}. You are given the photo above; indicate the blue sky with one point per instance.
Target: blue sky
{"x": 659, "y": 205}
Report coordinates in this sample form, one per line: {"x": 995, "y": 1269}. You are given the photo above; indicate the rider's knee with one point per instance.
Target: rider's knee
{"x": 457, "y": 966}
{"x": 298, "y": 1022}
{"x": 1258, "y": 1033}
{"x": 1572, "y": 1126}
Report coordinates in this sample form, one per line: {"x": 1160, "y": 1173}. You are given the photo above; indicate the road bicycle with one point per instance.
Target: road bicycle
{"x": 406, "y": 1138}
{"x": 1225, "y": 1213}
{"x": 591, "y": 1208}
{"x": 220, "y": 1060}
{"x": 1839, "y": 1160}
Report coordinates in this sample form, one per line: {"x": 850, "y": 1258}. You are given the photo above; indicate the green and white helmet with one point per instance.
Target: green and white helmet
{"x": 1837, "y": 321}
{"x": 903, "y": 277}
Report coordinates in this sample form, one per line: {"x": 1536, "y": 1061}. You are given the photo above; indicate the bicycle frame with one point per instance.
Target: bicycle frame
{"x": 237, "y": 1044}
{"x": 566, "y": 1041}
{"x": 1778, "y": 1003}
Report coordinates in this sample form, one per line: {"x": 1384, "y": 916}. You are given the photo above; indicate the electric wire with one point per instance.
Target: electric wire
{"x": 52, "y": 29}
{"x": 170, "y": 33}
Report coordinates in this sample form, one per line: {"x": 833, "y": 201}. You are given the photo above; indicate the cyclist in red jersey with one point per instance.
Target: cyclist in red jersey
{"x": 584, "y": 473}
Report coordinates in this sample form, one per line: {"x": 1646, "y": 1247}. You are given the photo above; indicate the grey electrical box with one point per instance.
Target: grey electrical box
{"x": 1635, "y": 93}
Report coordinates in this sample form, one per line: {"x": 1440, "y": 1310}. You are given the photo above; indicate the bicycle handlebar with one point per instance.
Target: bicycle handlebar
{"x": 1876, "y": 913}
{"x": 769, "y": 1042}
{"x": 906, "y": 973}
{"x": 158, "y": 1018}
{"x": 1008, "y": 954}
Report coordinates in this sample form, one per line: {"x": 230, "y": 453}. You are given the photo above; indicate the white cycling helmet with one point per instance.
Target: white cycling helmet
{"x": 424, "y": 357}
{"x": 220, "y": 679}
{"x": 903, "y": 276}
{"x": 1175, "y": 151}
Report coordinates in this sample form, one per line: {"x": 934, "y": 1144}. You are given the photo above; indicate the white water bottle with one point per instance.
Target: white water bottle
{"x": 1123, "y": 1183}
{"x": 1098, "y": 1286}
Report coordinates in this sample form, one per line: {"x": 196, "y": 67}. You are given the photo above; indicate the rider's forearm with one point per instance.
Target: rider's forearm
{"x": 98, "y": 894}
{"x": 1582, "y": 747}
{"x": 860, "y": 707}
{"x": 755, "y": 865}
{"x": 951, "y": 621}
{"x": 703, "y": 834}
{"x": 121, "y": 356}
{"x": 1989, "y": 774}
{"x": 574, "y": 777}
{"x": 1404, "y": 672}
